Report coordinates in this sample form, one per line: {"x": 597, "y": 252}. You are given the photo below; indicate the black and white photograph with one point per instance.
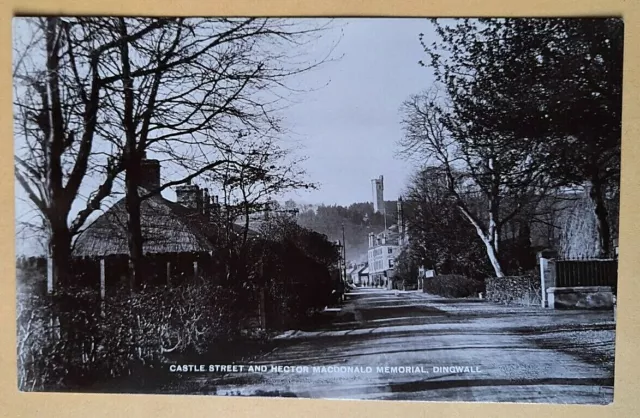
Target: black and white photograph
{"x": 408, "y": 209}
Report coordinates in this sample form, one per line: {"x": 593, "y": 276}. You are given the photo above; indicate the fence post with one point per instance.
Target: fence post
{"x": 102, "y": 279}
{"x": 50, "y": 283}
{"x": 168, "y": 273}
{"x": 103, "y": 287}
{"x": 195, "y": 269}
{"x": 547, "y": 274}
{"x": 263, "y": 310}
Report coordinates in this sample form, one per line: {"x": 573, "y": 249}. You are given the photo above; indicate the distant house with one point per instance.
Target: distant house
{"x": 384, "y": 249}
{"x": 179, "y": 238}
{"x": 358, "y": 275}
{"x": 352, "y": 274}
{"x": 363, "y": 275}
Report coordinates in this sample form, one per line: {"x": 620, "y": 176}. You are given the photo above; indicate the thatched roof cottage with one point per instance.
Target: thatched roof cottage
{"x": 176, "y": 235}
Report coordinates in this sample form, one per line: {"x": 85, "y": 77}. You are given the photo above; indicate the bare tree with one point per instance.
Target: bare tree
{"x": 441, "y": 238}
{"x": 58, "y": 96}
{"x": 491, "y": 178}
{"x": 248, "y": 182}
{"x": 193, "y": 92}
{"x": 258, "y": 177}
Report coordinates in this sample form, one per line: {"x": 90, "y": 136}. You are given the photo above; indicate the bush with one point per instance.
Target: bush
{"x": 453, "y": 286}
{"x": 72, "y": 339}
{"x": 296, "y": 283}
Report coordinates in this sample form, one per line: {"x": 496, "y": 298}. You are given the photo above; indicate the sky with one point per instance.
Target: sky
{"x": 346, "y": 120}
{"x": 349, "y": 128}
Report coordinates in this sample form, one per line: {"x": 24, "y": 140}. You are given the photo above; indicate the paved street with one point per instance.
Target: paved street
{"x": 512, "y": 354}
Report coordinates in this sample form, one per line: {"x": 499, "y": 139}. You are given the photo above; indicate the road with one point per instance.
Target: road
{"x": 382, "y": 328}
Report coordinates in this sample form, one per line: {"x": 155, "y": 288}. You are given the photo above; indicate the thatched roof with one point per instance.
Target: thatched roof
{"x": 254, "y": 225}
{"x": 167, "y": 227}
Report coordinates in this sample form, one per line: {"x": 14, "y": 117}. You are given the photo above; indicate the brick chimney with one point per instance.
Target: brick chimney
{"x": 206, "y": 204}
{"x": 190, "y": 195}
{"x": 214, "y": 207}
{"x": 149, "y": 174}
{"x": 211, "y": 206}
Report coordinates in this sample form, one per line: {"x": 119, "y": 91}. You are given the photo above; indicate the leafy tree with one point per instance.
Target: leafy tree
{"x": 440, "y": 237}
{"x": 549, "y": 87}
{"x": 300, "y": 267}
{"x": 490, "y": 178}
{"x": 407, "y": 267}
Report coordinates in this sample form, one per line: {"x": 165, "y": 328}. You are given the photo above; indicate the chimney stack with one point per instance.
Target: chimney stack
{"x": 189, "y": 195}
{"x": 206, "y": 204}
{"x": 149, "y": 173}
{"x": 214, "y": 208}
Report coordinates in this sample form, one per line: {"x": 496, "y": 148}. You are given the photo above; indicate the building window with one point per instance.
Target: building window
{"x": 390, "y": 264}
{"x": 390, "y": 251}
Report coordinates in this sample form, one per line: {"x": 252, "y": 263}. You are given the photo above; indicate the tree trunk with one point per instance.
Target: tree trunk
{"x": 133, "y": 160}
{"x": 602, "y": 218}
{"x": 493, "y": 255}
{"x": 489, "y": 239}
{"x": 525, "y": 256}
{"x": 58, "y": 274}
{"x": 60, "y": 253}
{"x": 134, "y": 228}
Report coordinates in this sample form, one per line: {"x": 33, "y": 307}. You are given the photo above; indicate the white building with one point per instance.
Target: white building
{"x": 384, "y": 249}
{"x": 382, "y": 254}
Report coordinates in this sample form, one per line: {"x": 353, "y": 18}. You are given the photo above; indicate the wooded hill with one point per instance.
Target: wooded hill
{"x": 358, "y": 219}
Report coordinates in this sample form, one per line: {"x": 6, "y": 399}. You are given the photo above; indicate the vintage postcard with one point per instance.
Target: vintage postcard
{"x": 388, "y": 209}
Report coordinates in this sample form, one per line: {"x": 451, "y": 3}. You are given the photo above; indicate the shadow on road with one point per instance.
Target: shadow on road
{"x": 421, "y": 385}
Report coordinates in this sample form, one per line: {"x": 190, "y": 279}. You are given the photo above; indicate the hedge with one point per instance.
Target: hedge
{"x": 453, "y": 286}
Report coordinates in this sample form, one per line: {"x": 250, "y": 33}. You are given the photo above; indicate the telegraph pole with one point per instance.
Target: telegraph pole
{"x": 344, "y": 253}
{"x": 384, "y": 213}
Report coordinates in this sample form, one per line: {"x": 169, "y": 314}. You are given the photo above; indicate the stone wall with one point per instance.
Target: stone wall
{"x": 513, "y": 290}
{"x": 582, "y": 297}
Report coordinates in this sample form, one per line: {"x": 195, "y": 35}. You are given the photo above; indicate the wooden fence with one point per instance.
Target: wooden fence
{"x": 107, "y": 274}
{"x": 572, "y": 273}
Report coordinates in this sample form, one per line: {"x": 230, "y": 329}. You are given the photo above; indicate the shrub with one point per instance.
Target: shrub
{"x": 406, "y": 272}
{"x": 73, "y": 339}
{"x": 453, "y": 286}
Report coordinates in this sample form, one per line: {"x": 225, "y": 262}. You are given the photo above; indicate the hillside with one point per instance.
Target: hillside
{"x": 358, "y": 219}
